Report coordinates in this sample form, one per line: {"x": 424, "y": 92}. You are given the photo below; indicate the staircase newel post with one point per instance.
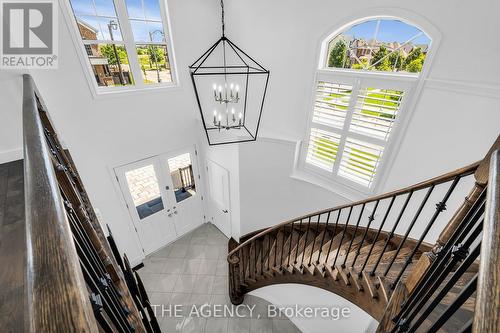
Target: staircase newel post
{"x": 235, "y": 292}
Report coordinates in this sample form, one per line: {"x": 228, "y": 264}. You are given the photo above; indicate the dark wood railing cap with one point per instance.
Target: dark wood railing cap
{"x": 487, "y": 310}
{"x": 57, "y": 294}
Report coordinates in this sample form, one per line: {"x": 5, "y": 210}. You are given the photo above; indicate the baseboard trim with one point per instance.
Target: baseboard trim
{"x": 11, "y": 155}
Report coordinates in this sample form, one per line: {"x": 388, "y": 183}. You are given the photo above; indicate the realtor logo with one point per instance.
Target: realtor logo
{"x": 28, "y": 35}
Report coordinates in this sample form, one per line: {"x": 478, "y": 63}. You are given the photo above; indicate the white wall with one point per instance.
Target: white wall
{"x": 457, "y": 117}
{"x": 358, "y": 321}
{"x": 268, "y": 194}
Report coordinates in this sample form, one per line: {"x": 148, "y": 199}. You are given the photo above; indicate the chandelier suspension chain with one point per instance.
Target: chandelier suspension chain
{"x": 223, "y": 23}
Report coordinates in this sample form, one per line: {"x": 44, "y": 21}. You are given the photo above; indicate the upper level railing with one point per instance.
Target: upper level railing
{"x": 55, "y": 283}
{"x": 74, "y": 283}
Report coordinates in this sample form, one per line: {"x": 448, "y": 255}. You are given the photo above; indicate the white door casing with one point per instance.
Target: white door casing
{"x": 220, "y": 205}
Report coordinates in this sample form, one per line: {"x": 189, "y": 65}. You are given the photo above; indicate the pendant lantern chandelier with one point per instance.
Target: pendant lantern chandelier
{"x": 230, "y": 89}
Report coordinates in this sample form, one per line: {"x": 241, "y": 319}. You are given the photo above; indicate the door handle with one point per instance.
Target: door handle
{"x": 225, "y": 211}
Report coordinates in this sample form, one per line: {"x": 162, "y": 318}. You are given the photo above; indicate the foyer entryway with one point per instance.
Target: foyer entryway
{"x": 162, "y": 196}
{"x": 193, "y": 271}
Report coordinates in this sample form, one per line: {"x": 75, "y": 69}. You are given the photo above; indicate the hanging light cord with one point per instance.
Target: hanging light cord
{"x": 223, "y": 24}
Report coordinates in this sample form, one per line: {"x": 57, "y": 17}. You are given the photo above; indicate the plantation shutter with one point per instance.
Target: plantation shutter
{"x": 331, "y": 104}
{"x": 360, "y": 161}
{"x": 375, "y": 112}
{"x": 323, "y": 148}
{"x": 348, "y": 138}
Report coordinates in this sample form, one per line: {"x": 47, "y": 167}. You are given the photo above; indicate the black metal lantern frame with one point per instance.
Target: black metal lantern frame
{"x": 228, "y": 67}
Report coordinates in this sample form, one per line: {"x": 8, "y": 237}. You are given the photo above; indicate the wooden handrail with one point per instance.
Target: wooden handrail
{"x": 57, "y": 295}
{"x": 464, "y": 171}
{"x": 487, "y": 308}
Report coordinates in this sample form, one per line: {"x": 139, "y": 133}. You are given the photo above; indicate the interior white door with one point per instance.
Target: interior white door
{"x": 143, "y": 189}
{"x": 220, "y": 210}
{"x": 182, "y": 177}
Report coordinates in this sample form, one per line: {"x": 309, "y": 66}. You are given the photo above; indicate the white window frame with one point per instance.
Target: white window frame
{"x": 410, "y": 83}
{"x": 130, "y": 46}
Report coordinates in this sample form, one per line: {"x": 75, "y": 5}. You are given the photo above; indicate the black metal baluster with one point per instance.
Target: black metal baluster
{"x": 415, "y": 218}
{"x": 323, "y": 238}
{"x": 305, "y": 243}
{"x": 447, "y": 287}
{"x": 331, "y": 242}
{"x": 108, "y": 309}
{"x": 291, "y": 241}
{"x": 254, "y": 242}
{"x": 269, "y": 251}
{"x": 391, "y": 234}
{"x": 243, "y": 267}
{"x": 90, "y": 252}
{"x": 342, "y": 237}
{"x": 441, "y": 206}
{"x": 282, "y": 248}
{"x": 370, "y": 220}
{"x": 120, "y": 318}
{"x": 457, "y": 303}
{"x": 276, "y": 248}
{"x": 378, "y": 233}
{"x": 353, "y": 236}
{"x": 314, "y": 241}
{"x": 422, "y": 290}
{"x": 298, "y": 243}
{"x": 459, "y": 253}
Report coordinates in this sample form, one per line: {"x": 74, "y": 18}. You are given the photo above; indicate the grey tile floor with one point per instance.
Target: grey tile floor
{"x": 193, "y": 271}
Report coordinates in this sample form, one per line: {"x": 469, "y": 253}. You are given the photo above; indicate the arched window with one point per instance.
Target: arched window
{"x": 367, "y": 73}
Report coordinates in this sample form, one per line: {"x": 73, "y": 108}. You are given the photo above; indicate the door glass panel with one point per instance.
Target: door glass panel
{"x": 143, "y": 186}
{"x": 181, "y": 171}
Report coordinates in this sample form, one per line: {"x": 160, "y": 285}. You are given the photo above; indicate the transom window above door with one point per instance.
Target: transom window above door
{"x": 125, "y": 44}
{"x": 367, "y": 75}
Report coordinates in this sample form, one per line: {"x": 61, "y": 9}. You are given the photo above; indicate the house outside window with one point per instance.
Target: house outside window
{"x": 126, "y": 43}
{"x": 367, "y": 74}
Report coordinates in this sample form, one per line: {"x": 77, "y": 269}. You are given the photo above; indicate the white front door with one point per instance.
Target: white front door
{"x": 220, "y": 210}
{"x": 162, "y": 197}
{"x": 143, "y": 189}
{"x": 181, "y": 170}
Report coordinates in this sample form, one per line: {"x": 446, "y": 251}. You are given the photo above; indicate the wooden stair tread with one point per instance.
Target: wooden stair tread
{"x": 274, "y": 247}
{"x": 292, "y": 238}
{"x": 371, "y": 283}
{"x": 312, "y": 248}
{"x": 343, "y": 251}
{"x": 303, "y": 243}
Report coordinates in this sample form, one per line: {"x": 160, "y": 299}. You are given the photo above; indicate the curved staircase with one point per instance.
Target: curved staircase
{"x": 373, "y": 253}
